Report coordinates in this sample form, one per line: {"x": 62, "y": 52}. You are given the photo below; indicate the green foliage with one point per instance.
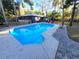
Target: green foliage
{"x": 1, "y": 16}
{"x": 23, "y": 5}
{"x": 67, "y": 3}
{"x": 7, "y": 4}
{"x": 30, "y": 3}
{"x": 49, "y": 14}
{"x": 36, "y": 12}
{"x": 8, "y": 8}
{"x": 28, "y": 12}
{"x": 54, "y": 14}
{"x": 67, "y": 14}
{"x": 8, "y": 14}
{"x": 26, "y": 0}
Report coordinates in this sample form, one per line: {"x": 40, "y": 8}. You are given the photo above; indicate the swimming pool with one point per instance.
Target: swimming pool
{"x": 31, "y": 34}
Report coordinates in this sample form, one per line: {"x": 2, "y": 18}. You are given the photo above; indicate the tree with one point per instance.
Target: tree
{"x": 77, "y": 12}
{"x": 67, "y": 4}
{"x": 73, "y": 13}
{"x": 45, "y": 5}
{"x": 60, "y": 5}
{"x": 56, "y": 15}
{"x": 7, "y": 5}
{"x": 30, "y": 3}
{"x": 67, "y": 14}
{"x": 10, "y": 8}
{"x": 74, "y": 3}
{"x": 2, "y": 9}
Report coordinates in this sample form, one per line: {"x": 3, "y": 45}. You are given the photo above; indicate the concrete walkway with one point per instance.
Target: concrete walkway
{"x": 68, "y": 49}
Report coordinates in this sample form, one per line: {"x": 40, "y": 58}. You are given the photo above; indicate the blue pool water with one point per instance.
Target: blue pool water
{"x": 31, "y": 34}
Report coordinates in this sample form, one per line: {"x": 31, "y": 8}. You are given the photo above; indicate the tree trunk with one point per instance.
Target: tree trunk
{"x": 1, "y": 5}
{"x": 62, "y": 17}
{"x": 63, "y": 13}
{"x": 73, "y": 14}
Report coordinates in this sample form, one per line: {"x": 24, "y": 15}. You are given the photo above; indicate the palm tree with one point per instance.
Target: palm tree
{"x": 1, "y": 5}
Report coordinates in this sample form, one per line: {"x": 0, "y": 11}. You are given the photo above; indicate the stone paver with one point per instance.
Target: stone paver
{"x": 67, "y": 49}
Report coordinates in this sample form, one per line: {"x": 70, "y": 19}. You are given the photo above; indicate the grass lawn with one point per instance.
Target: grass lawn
{"x": 73, "y": 32}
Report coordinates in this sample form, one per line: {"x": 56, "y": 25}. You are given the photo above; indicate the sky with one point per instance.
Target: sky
{"x": 37, "y": 4}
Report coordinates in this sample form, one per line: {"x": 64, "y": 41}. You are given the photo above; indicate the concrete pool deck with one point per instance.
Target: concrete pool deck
{"x": 10, "y": 48}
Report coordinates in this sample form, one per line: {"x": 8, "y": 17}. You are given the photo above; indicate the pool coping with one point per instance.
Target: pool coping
{"x": 49, "y": 34}
{"x": 30, "y": 24}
